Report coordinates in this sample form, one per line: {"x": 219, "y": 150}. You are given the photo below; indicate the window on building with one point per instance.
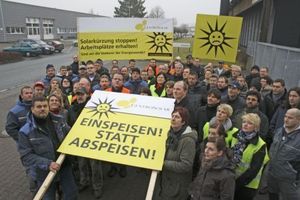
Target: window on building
{"x": 15, "y": 30}
{"x": 33, "y": 26}
{"x": 48, "y": 26}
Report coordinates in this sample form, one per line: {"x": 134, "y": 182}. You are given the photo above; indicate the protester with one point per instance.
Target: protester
{"x": 250, "y": 156}
{"x": 39, "y": 139}
{"x": 176, "y": 175}
{"x": 216, "y": 178}
{"x": 39, "y": 89}
{"x": 158, "y": 89}
{"x": 135, "y": 82}
{"x": 283, "y": 176}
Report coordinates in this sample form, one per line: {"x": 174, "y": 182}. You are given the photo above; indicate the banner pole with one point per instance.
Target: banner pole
{"x": 44, "y": 187}
{"x": 151, "y": 185}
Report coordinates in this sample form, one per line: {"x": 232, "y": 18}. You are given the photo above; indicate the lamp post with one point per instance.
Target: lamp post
{"x": 2, "y": 21}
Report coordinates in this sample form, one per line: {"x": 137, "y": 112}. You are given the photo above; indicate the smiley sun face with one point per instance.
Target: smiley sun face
{"x": 101, "y": 108}
{"x": 216, "y": 38}
{"x": 159, "y": 41}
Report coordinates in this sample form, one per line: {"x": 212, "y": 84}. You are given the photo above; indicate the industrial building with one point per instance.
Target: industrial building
{"x": 270, "y": 35}
{"x": 19, "y": 21}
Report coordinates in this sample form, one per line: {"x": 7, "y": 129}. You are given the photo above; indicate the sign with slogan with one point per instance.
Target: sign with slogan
{"x": 217, "y": 37}
{"x": 125, "y": 38}
{"x": 122, "y": 128}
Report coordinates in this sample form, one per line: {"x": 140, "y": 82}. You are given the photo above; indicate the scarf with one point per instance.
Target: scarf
{"x": 173, "y": 138}
{"x": 239, "y": 147}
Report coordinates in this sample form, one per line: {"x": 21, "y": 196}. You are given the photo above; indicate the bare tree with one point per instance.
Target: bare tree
{"x": 157, "y": 12}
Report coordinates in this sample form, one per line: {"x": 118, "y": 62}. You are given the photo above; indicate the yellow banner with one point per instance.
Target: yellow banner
{"x": 217, "y": 37}
{"x": 124, "y": 46}
{"x": 104, "y": 132}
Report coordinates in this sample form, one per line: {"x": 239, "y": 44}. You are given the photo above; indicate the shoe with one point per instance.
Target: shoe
{"x": 98, "y": 194}
{"x": 123, "y": 172}
{"x": 82, "y": 188}
{"x": 112, "y": 172}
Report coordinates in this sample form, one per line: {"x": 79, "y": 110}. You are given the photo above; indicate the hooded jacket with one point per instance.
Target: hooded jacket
{"x": 217, "y": 182}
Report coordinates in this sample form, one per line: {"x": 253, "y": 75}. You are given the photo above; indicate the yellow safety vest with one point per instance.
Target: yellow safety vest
{"x": 154, "y": 94}
{"x": 229, "y": 133}
{"x": 248, "y": 153}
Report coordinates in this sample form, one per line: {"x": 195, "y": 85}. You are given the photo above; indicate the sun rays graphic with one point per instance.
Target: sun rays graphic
{"x": 216, "y": 38}
{"x": 159, "y": 41}
{"x": 101, "y": 108}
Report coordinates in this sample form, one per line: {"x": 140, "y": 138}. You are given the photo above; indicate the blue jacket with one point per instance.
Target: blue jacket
{"x": 134, "y": 86}
{"x": 36, "y": 147}
{"x": 16, "y": 118}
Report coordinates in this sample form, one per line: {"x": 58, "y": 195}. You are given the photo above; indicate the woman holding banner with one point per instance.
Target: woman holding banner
{"x": 176, "y": 174}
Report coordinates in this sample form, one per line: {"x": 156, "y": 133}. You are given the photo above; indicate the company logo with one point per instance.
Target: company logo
{"x": 141, "y": 26}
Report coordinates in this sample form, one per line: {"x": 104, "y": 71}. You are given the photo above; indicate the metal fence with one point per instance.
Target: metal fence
{"x": 283, "y": 62}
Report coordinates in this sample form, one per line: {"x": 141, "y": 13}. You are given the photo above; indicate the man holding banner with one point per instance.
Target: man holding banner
{"x": 38, "y": 140}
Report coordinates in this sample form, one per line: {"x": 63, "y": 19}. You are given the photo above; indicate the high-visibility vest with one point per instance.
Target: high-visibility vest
{"x": 154, "y": 94}
{"x": 245, "y": 163}
{"x": 229, "y": 133}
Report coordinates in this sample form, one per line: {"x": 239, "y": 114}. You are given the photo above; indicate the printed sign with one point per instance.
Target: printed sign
{"x": 122, "y": 128}
{"x": 217, "y": 37}
{"x": 125, "y": 38}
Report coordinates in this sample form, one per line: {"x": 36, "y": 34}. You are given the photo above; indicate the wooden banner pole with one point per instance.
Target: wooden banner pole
{"x": 43, "y": 189}
{"x": 151, "y": 185}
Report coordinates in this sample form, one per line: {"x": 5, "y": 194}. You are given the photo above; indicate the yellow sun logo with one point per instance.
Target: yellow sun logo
{"x": 215, "y": 38}
{"x": 101, "y": 108}
{"x": 159, "y": 41}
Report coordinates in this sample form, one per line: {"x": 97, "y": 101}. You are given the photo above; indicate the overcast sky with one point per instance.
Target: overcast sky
{"x": 183, "y": 10}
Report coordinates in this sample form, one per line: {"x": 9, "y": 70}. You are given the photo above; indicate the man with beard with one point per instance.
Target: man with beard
{"x": 39, "y": 139}
{"x": 252, "y": 106}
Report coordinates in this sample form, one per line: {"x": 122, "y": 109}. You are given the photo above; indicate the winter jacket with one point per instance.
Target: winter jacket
{"x": 217, "y": 182}
{"x": 285, "y": 155}
{"x": 176, "y": 175}
{"x": 269, "y": 106}
{"x": 135, "y": 85}
{"x": 264, "y": 124}
{"x": 16, "y": 118}
{"x": 36, "y": 146}
{"x": 237, "y": 104}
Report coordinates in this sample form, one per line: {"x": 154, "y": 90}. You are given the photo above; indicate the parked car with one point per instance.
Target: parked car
{"x": 58, "y": 46}
{"x": 25, "y": 48}
{"x": 46, "y": 48}
{"x": 75, "y": 43}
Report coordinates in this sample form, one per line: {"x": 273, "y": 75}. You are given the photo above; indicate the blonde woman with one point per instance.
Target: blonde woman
{"x": 249, "y": 156}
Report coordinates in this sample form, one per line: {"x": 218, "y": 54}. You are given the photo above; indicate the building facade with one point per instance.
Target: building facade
{"x": 270, "y": 21}
{"x": 20, "y": 21}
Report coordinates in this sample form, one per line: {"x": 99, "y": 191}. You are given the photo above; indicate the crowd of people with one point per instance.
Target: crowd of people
{"x": 229, "y": 128}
